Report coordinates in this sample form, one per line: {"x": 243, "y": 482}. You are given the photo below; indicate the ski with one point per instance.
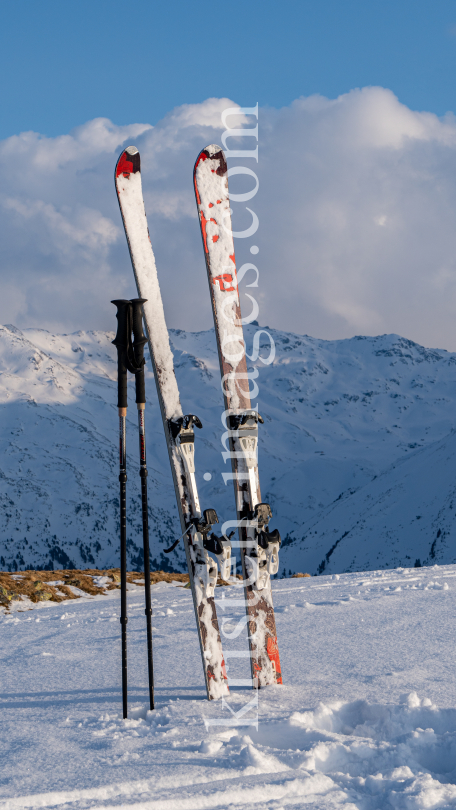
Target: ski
{"x": 259, "y": 548}
{"x": 179, "y": 429}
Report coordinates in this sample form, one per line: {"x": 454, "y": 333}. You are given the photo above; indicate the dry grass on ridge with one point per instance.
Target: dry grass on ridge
{"x": 35, "y": 584}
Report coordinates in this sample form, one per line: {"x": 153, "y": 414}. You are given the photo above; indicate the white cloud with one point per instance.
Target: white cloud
{"x": 357, "y": 210}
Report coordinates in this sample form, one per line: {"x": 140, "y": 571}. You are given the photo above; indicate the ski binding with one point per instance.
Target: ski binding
{"x": 182, "y": 429}
{"x": 246, "y": 425}
{"x": 262, "y": 558}
{"x": 205, "y": 568}
{"x": 184, "y": 435}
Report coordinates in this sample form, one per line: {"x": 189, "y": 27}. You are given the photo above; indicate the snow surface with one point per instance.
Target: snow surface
{"x": 365, "y": 718}
{"x": 357, "y": 450}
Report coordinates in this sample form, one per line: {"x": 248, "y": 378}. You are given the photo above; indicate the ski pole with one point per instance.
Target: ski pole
{"x": 139, "y": 339}
{"x": 121, "y": 342}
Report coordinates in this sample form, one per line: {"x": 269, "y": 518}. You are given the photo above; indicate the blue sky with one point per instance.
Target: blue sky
{"x": 65, "y": 62}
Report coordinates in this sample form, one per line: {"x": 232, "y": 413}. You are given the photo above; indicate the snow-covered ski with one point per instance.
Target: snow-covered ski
{"x": 259, "y": 547}
{"x": 179, "y": 429}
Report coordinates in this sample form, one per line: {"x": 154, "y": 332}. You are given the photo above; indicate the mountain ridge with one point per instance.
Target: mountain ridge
{"x": 338, "y": 415}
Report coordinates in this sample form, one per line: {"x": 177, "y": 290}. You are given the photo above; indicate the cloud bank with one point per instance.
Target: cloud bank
{"x": 356, "y": 204}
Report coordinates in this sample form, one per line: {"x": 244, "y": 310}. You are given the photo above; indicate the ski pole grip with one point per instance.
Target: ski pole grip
{"x": 139, "y": 339}
{"x": 121, "y": 343}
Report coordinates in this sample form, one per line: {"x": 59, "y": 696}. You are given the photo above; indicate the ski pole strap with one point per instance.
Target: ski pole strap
{"x": 121, "y": 343}
{"x": 139, "y": 339}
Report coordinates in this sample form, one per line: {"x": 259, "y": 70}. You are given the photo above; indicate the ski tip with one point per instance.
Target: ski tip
{"x": 129, "y": 162}
{"x": 213, "y": 152}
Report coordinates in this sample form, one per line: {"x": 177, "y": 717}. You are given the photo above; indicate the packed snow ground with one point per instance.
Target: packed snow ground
{"x": 365, "y": 718}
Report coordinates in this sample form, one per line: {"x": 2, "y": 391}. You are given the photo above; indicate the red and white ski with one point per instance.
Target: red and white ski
{"x": 179, "y": 429}
{"x": 259, "y": 547}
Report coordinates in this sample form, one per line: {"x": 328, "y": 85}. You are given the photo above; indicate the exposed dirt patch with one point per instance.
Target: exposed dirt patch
{"x": 57, "y": 586}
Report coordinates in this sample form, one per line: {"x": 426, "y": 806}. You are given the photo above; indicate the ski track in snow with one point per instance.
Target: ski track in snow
{"x": 366, "y": 717}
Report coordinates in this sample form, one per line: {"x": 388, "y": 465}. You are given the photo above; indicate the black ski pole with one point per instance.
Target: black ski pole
{"x": 121, "y": 342}
{"x": 139, "y": 339}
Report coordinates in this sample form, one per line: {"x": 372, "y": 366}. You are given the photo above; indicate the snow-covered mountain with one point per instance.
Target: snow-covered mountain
{"x": 356, "y": 452}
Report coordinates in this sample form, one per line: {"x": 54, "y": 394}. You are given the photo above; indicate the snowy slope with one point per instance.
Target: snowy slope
{"x": 337, "y": 414}
{"x": 365, "y": 718}
{"x": 405, "y": 515}
{"x": 59, "y": 467}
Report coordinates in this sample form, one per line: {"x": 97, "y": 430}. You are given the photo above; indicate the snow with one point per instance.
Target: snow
{"x": 100, "y": 581}
{"x": 365, "y": 718}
